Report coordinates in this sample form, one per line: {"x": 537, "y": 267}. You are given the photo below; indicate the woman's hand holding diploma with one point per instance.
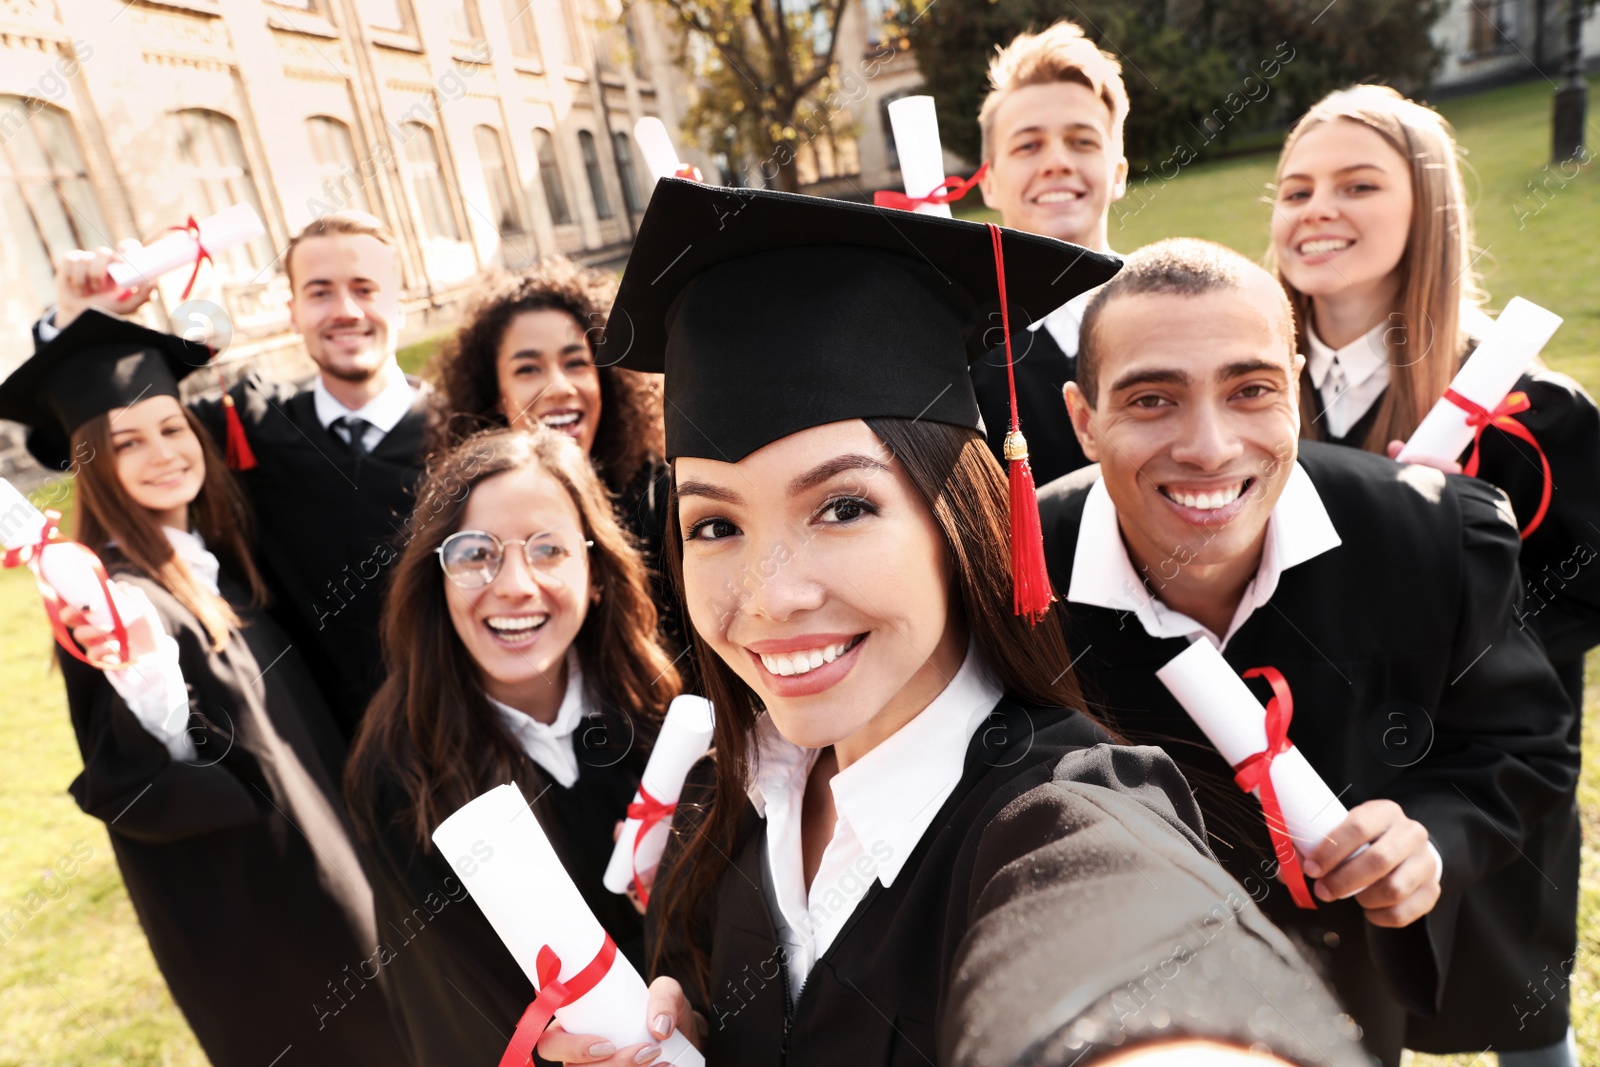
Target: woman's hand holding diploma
{"x": 1380, "y": 857}
{"x": 100, "y": 645}
{"x": 668, "y": 1012}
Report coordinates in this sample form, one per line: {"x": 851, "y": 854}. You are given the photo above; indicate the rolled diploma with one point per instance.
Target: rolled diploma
{"x": 685, "y": 737}
{"x": 67, "y": 566}
{"x": 505, "y": 860}
{"x": 222, "y": 231}
{"x": 656, "y": 144}
{"x": 1506, "y": 352}
{"x": 1235, "y": 723}
{"x": 916, "y": 141}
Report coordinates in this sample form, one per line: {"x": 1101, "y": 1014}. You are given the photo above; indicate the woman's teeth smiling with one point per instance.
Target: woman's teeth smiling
{"x": 1218, "y": 498}
{"x": 561, "y": 420}
{"x": 807, "y": 660}
{"x": 1323, "y": 246}
{"x": 515, "y": 628}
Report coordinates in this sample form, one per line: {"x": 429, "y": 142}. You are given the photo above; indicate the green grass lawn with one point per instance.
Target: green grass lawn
{"x": 77, "y": 984}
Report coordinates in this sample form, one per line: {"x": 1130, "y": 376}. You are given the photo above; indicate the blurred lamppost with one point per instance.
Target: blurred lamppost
{"x": 1572, "y": 99}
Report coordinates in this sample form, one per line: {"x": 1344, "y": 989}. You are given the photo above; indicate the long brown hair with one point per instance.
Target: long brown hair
{"x": 961, "y": 483}
{"x": 106, "y": 513}
{"x": 430, "y": 728}
{"x": 630, "y": 431}
{"x": 1426, "y": 340}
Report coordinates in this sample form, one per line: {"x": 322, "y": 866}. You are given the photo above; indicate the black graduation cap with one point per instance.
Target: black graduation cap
{"x": 98, "y": 363}
{"x": 772, "y": 312}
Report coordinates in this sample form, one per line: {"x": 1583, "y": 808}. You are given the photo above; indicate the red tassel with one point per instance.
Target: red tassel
{"x": 240, "y": 457}
{"x": 1031, "y": 595}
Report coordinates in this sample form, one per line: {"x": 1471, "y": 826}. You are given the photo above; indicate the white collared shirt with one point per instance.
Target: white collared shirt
{"x": 382, "y": 413}
{"x": 884, "y": 801}
{"x": 1065, "y": 322}
{"x": 1103, "y": 576}
{"x": 550, "y": 745}
{"x": 153, "y": 686}
{"x": 1349, "y": 380}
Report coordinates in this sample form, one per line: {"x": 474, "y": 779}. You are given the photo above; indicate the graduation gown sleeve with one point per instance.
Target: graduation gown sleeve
{"x": 1501, "y": 759}
{"x": 1098, "y": 919}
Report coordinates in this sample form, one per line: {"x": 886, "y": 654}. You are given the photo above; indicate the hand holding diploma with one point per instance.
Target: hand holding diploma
{"x": 501, "y": 853}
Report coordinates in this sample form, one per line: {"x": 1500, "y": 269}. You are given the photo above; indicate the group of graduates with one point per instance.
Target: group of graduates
{"x": 944, "y": 820}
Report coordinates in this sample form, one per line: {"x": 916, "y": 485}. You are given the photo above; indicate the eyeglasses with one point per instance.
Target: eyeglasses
{"x": 471, "y": 559}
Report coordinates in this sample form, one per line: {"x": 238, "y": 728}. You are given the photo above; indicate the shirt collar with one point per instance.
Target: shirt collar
{"x": 383, "y": 411}
{"x": 550, "y": 744}
{"x": 891, "y": 794}
{"x": 1065, "y": 322}
{"x": 1298, "y": 530}
{"x": 1360, "y": 359}
{"x": 191, "y": 548}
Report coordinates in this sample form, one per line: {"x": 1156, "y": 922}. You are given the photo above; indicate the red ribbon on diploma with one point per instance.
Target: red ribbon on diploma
{"x": 552, "y": 994}
{"x": 30, "y": 556}
{"x": 192, "y": 228}
{"x": 948, "y": 191}
{"x": 1481, "y": 418}
{"x": 688, "y": 170}
{"x": 1255, "y": 773}
{"x": 649, "y": 811}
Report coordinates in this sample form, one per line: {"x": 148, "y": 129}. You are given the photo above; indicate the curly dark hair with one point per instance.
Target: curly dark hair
{"x": 630, "y": 433}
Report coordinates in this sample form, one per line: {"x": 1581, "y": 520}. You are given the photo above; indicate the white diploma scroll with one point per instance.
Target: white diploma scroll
{"x": 68, "y": 567}
{"x": 1504, "y": 355}
{"x": 500, "y": 852}
{"x": 656, "y": 144}
{"x": 1235, "y": 723}
{"x": 226, "y": 229}
{"x": 685, "y": 737}
{"x": 916, "y": 141}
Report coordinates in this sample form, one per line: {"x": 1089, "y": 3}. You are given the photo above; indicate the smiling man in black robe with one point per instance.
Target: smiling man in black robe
{"x": 1384, "y": 594}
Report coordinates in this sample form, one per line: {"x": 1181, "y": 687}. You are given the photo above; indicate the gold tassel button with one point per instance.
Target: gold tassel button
{"x": 1016, "y": 446}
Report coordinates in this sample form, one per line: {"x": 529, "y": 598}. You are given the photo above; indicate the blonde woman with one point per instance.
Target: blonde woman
{"x": 1372, "y": 240}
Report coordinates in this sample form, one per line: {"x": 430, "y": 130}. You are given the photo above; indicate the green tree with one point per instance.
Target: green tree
{"x": 758, "y": 65}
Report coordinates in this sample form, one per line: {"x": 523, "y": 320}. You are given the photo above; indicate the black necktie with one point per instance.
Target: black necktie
{"x": 357, "y": 429}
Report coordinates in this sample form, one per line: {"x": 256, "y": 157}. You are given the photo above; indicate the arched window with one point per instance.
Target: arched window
{"x": 45, "y": 199}
{"x": 625, "y": 172}
{"x": 343, "y": 178}
{"x": 591, "y": 167}
{"x": 426, "y": 180}
{"x": 212, "y": 161}
{"x": 550, "y": 174}
{"x": 524, "y": 34}
{"x": 503, "y": 198}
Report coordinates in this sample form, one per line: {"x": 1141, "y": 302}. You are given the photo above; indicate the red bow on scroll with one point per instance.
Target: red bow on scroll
{"x": 1255, "y": 773}
{"x": 649, "y": 811}
{"x": 947, "y": 192}
{"x": 552, "y": 994}
{"x": 688, "y": 170}
{"x": 1481, "y": 418}
{"x": 192, "y": 228}
{"x": 31, "y": 556}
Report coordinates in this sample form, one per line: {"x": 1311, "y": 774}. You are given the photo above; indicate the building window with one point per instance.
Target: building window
{"x": 45, "y": 197}
{"x": 550, "y": 175}
{"x": 625, "y": 173}
{"x": 519, "y": 20}
{"x": 332, "y": 149}
{"x": 426, "y": 179}
{"x": 464, "y": 24}
{"x": 597, "y": 182}
{"x": 571, "y": 21}
{"x": 384, "y": 14}
{"x": 217, "y": 173}
{"x": 1492, "y": 27}
{"x": 497, "y": 177}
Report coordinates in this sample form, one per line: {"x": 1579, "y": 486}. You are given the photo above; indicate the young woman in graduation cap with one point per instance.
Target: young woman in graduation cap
{"x": 1372, "y": 239}
{"x": 524, "y": 356}
{"x": 909, "y": 847}
{"x": 211, "y": 756}
{"x": 519, "y": 639}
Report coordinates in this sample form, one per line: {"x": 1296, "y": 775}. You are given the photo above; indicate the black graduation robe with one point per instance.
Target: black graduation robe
{"x": 328, "y": 526}
{"x": 457, "y": 991}
{"x": 1049, "y": 838}
{"x": 1517, "y": 940}
{"x": 642, "y": 510}
{"x": 1041, "y": 369}
{"x": 1373, "y": 638}
{"x": 240, "y": 865}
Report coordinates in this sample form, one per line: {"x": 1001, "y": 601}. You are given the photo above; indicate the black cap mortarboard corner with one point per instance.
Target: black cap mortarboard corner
{"x": 771, "y": 313}
{"x": 95, "y": 365}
